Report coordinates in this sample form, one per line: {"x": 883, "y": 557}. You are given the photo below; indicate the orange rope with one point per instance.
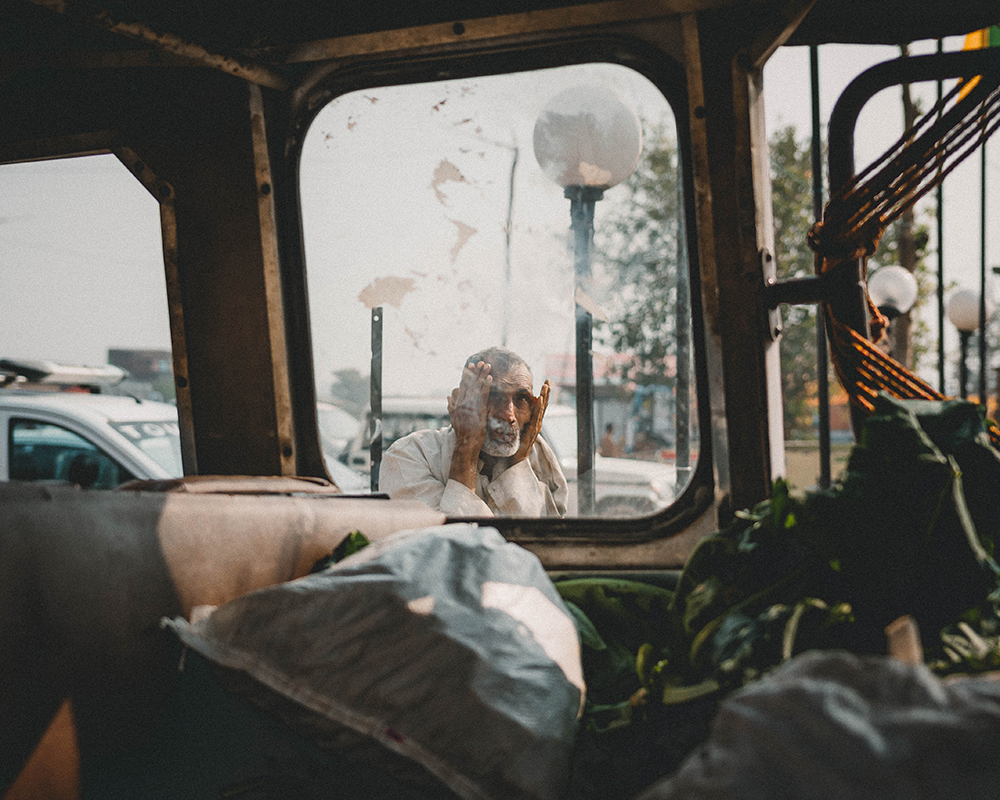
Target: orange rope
{"x": 858, "y": 214}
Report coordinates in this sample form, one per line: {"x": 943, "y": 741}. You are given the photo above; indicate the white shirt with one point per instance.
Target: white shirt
{"x": 416, "y": 467}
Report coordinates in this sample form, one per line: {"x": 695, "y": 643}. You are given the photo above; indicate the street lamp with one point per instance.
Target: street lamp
{"x": 893, "y": 290}
{"x": 963, "y": 311}
{"x": 586, "y": 140}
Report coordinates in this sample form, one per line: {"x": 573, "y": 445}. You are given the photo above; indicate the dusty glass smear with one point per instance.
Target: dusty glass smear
{"x": 431, "y": 230}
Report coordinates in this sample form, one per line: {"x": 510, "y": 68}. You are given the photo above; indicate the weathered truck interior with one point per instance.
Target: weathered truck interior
{"x": 209, "y": 106}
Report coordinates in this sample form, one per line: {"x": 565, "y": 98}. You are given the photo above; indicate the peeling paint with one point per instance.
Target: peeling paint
{"x": 386, "y": 291}
{"x": 444, "y": 172}
{"x": 464, "y": 234}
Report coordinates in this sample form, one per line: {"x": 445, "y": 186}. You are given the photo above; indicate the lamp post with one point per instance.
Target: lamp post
{"x": 893, "y": 290}
{"x": 963, "y": 311}
{"x": 586, "y": 140}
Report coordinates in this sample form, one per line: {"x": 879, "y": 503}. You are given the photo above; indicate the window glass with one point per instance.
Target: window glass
{"x": 43, "y": 451}
{"x": 432, "y": 232}
{"x": 81, "y": 257}
{"x": 161, "y": 441}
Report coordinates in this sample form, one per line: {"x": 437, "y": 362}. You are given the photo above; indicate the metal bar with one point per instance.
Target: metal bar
{"x": 682, "y": 315}
{"x": 375, "y": 415}
{"x": 164, "y": 194}
{"x": 171, "y": 43}
{"x": 582, "y": 200}
{"x": 822, "y": 369}
{"x": 913, "y": 69}
{"x": 484, "y": 29}
{"x": 983, "y": 333}
{"x": 508, "y": 232}
{"x": 963, "y": 365}
{"x": 939, "y": 195}
{"x": 284, "y": 424}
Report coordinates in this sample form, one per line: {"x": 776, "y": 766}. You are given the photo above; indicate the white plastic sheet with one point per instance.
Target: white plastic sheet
{"x": 446, "y": 645}
{"x": 836, "y": 726}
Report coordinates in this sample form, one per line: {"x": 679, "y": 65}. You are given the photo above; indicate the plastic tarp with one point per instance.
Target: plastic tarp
{"x": 836, "y": 726}
{"x": 447, "y": 646}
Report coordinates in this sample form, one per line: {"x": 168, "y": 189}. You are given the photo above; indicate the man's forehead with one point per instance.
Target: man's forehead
{"x": 514, "y": 379}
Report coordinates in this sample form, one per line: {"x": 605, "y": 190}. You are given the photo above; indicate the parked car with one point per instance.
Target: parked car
{"x": 624, "y": 487}
{"x": 54, "y": 428}
{"x": 337, "y": 428}
{"x": 400, "y": 416}
{"x": 97, "y": 441}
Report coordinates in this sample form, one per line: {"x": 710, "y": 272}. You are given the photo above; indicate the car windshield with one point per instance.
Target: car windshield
{"x": 159, "y": 440}
{"x": 335, "y": 424}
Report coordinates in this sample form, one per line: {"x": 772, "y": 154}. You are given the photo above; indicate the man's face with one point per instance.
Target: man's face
{"x": 509, "y": 410}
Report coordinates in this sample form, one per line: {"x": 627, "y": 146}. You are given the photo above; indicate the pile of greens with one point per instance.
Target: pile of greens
{"x": 909, "y": 529}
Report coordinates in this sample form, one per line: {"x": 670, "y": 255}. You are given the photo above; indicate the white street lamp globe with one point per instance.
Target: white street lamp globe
{"x": 963, "y": 310}
{"x": 893, "y": 290}
{"x": 586, "y": 136}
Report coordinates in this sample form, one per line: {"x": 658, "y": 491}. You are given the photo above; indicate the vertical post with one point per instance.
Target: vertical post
{"x": 822, "y": 369}
{"x": 582, "y": 200}
{"x": 983, "y": 333}
{"x": 963, "y": 366}
{"x": 375, "y": 416}
{"x": 506, "y": 251}
{"x": 939, "y": 193}
{"x": 682, "y": 427}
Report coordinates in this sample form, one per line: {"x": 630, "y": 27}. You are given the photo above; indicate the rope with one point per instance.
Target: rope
{"x": 858, "y": 214}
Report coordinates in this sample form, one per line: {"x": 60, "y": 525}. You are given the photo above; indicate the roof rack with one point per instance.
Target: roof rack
{"x": 52, "y": 374}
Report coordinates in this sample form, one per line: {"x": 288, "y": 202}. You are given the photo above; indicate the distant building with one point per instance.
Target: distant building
{"x": 150, "y": 373}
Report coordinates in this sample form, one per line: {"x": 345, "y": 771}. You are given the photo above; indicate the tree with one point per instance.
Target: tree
{"x": 791, "y": 199}
{"x": 637, "y": 241}
{"x": 352, "y": 388}
{"x": 638, "y": 244}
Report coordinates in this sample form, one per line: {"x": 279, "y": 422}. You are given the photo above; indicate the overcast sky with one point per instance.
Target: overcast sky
{"x": 81, "y": 270}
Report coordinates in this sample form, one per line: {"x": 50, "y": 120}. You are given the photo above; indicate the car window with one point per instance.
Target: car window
{"x": 159, "y": 440}
{"x": 42, "y": 451}
{"x": 432, "y": 231}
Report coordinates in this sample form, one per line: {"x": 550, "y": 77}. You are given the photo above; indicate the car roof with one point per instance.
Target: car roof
{"x": 430, "y": 405}
{"x": 95, "y": 407}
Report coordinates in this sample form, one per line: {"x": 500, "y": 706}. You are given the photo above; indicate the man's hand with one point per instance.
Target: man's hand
{"x": 534, "y": 426}
{"x": 467, "y": 408}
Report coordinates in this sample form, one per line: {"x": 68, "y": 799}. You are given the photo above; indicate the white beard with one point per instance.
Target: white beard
{"x": 502, "y": 440}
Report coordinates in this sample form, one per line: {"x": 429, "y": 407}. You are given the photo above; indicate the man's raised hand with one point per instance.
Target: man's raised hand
{"x": 467, "y": 408}
{"x": 534, "y": 426}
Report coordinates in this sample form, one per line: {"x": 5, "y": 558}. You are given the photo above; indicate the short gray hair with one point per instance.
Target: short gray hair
{"x": 502, "y": 359}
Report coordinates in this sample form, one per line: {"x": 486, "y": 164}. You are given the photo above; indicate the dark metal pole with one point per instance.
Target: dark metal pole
{"x": 939, "y": 192}
{"x": 375, "y": 416}
{"x": 983, "y": 333}
{"x": 963, "y": 367}
{"x": 508, "y": 230}
{"x": 581, "y": 210}
{"x": 682, "y": 315}
{"x": 822, "y": 369}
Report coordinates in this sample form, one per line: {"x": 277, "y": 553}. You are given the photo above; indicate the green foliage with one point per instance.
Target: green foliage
{"x": 638, "y": 242}
{"x": 354, "y": 542}
{"x": 791, "y": 200}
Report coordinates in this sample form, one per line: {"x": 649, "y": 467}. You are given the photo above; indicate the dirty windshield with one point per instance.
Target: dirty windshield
{"x": 433, "y": 232}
